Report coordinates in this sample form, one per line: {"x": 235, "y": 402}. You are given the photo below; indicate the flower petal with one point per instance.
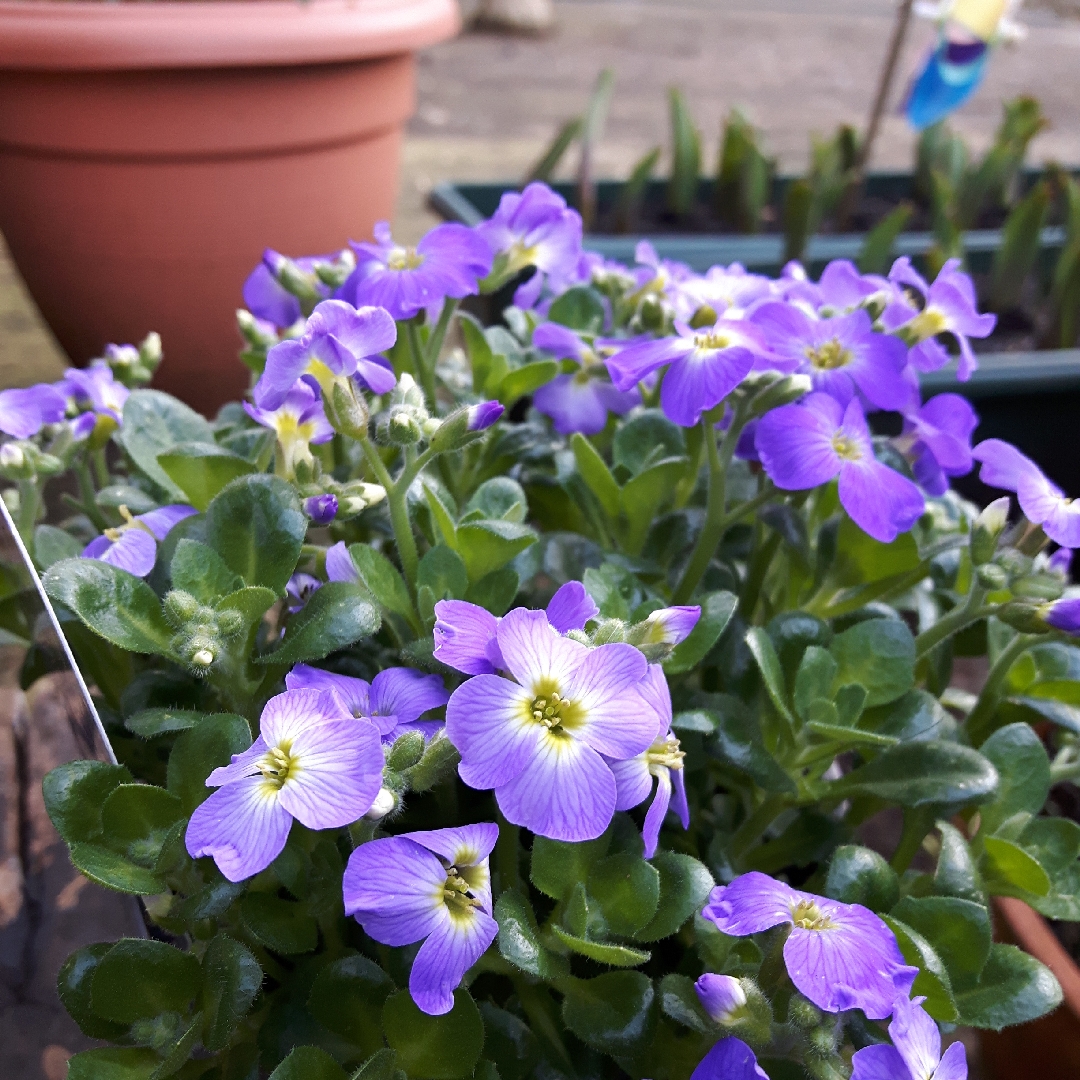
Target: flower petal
{"x": 881, "y": 1062}
{"x": 534, "y": 653}
{"x": 242, "y": 827}
{"x": 336, "y": 773}
{"x": 633, "y": 781}
{"x": 880, "y": 501}
{"x": 286, "y": 715}
{"x": 916, "y": 1036}
{"x": 729, "y": 1059}
{"x": 657, "y": 811}
{"x": 354, "y": 694}
{"x": 406, "y": 694}
{"x": 571, "y": 607}
{"x": 135, "y": 552}
{"x": 465, "y": 637}
{"x": 489, "y": 720}
{"x": 339, "y": 564}
{"x": 618, "y": 721}
{"x": 750, "y": 904}
{"x": 566, "y": 792}
{"x": 450, "y": 950}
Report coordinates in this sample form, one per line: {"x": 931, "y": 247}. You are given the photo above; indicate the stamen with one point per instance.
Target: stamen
{"x": 846, "y": 448}
{"x": 665, "y": 752}
{"x": 403, "y": 258}
{"x": 808, "y": 916}
{"x": 275, "y": 765}
{"x": 830, "y": 356}
{"x": 711, "y": 339}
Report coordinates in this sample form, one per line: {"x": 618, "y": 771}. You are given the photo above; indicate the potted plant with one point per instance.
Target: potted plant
{"x": 522, "y": 702}
{"x": 149, "y": 152}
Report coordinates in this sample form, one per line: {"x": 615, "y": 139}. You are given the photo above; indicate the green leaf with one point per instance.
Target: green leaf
{"x": 685, "y": 157}
{"x": 113, "y": 1063}
{"x": 1009, "y": 870}
{"x": 499, "y": 499}
{"x": 231, "y": 979}
{"x": 814, "y": 679}
{"x": 495, "y": 591}
{"x": 858, "y": 875}
{"x": 116, "y": 605}
{"x": 252, "y": 601}
{"x": 140, "y": 979}
{"x": 602, "y": 952}
{"x": 739, "y": 742}
{"x": 613, "y": 1013}
{"x": 487, "y": 545}
{"x": 347, "y": 998}
{"x": 201, "y": 571}
{"x": 685, "y": 885}
{"x": 597, "y": 475}
{"x": 932, "y": 982}
{"x": 958, "y": 931}
{"x": 257, "y": 527}
{"x": 627, "y": 889}
{"x": 52, "y": 545}
{"x": 113, "y": 870}
{"x": 337, "y": 615}
{"x": 558, "y": 866}
{"x": 519, "y": 938}
{"x": 1024, "y": 770}
{"x": 136, "y": 818}
{"x": 153, "y": 424}
{"x": 382, "y": 579}
{"x": 201, "y": 470}
{"x": 922, "y": 773}
{"x": 178, "y": 1050}
{"x": 382, "y": 1065}
{"x": 281, "y": 925}
{"x": 1020, "y": 245}
{"x": 73, "y": 985}
{"x": 508, "y": 1040}
{"x": 679, "y": 1001}
{"x": 74, "y": 794}
{"x": 580, "y": 308}
{"x": 761, "y": 648}
{"x": 876, "y": 253}
{"x": 646, "y": 438}
{"x": 519, "y": 382}
{"x": 443, "y": 571}
{"x": 879, "y": 655}
{"x": 1014, "y": 988}
{"x": 716, "y": 611}
{"x": 205, "y": 747}
{"x": 479, "y": 352}
{"x": 643, "y": 495}
{"x": 308, "y": 1063}
{"x": 443, "y": 1047}
{"x": 956, "y": 874}
{"x": 440, "y": 512}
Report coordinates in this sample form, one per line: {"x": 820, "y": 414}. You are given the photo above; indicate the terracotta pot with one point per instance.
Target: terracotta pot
{"x": 1048, "y": 1048}
{"x": 149, "y": 152}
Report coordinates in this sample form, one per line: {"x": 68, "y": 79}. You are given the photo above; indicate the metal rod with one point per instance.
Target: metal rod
{"x": 885, "y": 82}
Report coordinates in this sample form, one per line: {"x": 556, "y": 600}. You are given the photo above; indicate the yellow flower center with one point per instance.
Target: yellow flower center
{"x": 711, "y": 340}
{"x": 807, "y": 915}
{"x": 928, "y": 324}
{"x": 548, "y": 711}
{"x": 846, "y": 448}
{"x": 276, "y": 764}
{"x": 666, "y": 753}
{"x": 457, "y": 892}
{"x": 404, "y": 258}
{"x": 828, "y": 357}
{"x": 130, "y": 522}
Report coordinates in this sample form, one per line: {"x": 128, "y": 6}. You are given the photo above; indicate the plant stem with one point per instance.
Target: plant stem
{"x": 982, "y": 714}
{"x": 970, "y": 611}
{"x": 29, "y": 505}
{"x": 396, "y": 496}
{"x": 751, "y": 829}
{"x": 438, "y": 335}
{"x": 425, "y": 372}
{"x": 88, "y": 495}
{"x": 101, "y": 467}
{"x": 508, "y": 854}
{"x": 713, "y": 529}
{"x": 884, "y": 89}
{"x": 916, "y": 825}
{"x": 755, "y": 578}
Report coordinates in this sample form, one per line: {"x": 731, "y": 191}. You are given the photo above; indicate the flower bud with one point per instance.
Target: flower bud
{"x": 485, "y": 414}
{"x": 989, "y": 525}
{"x": 14, "y": 463}
{"x": 407, "y": 750}
{"x": 150, "y": 350}
{"x": 229, "y": 622}
{"x": 991, "y": 576}
{"x": 803, "y": 1013}
{"x": 464, "y": 425}
{"x": 302, "y": 285}
{"x": 704, "y": 316}
{"x": 1025, "y": 617}
{"x": 609, "y": 630}
{"x": 721, "y": 996}
{"x": 401, "y": 427}
{"x": 384, "y": 803}
{"x": 407, "y": 392}
{"x": 666, "y": 626}
{"x": 180, "y": 607}
{"x": 322, "y": 509}
{"x": 202, "y": 658}
{"x": 651, "y": 313}
{"x": 1063, "y": 615}
{"x": 783, "y": 391}
{"x": 258, "y": 333}
{"x": 346, "y": 410}
{"x": 1038, "y": 587}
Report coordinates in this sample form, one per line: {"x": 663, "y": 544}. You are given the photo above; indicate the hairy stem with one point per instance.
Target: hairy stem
{"x": 981, "y": 716}
{"x": 438, "y": 335}
{"x": 713, "y": 529}
{"x": 751, "y": 830}
{"x": 970, "y": 611}
{"x": 425, "y": 372}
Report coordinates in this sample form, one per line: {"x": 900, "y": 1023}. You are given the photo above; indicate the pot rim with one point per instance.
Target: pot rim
{"x": 1033, "y": 934}
{"x": 91, "y": 35}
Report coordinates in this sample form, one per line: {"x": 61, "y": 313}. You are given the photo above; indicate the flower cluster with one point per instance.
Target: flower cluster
{"x": 543, "y": 629}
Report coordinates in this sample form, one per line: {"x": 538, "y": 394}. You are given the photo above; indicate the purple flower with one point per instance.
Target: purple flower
{"x": 841, "y": 354}
{"x": 449, "y": 261}
{"x": 94, "y": 388}
{"x": 721, "y": 996}
{"x": 393, "y": 701}
{"x": 535, "y": 228}
{"x": 949, "y": 307}
{"x": 842, "y": 287}
{"x": 133, "y": 545}
{"x": 915, "y": 1053}
{"x": 1064, "y": 614}
{"x": 704, "y": 366}
{"x": 24, "y": 412}
{"x": 310, "y": 762}
{"x": 322, "y": 509}
{"x": 729, "y": 1059}
{"x": 1060, "y": 562}
{"x": 663, "y": 759}
{"x": 300, "y": 589}
{"x": 298, "y": 420}
{"x": 433, "y": 887}
{"x": 482, "y": 416}
{"x": 805, "y": 445}
{"x": 941, "y": 431}
{"x": 728, "y": 290}
{"x": 266, "y": 298}
{"x": 339, "y": 341}
{"x": 671, "y": 625}
{"x": 339, "y": 564}
{"x": 540, "y": 738}
{"x": 1043, "y": 502}
{"x": 578, "y": 402}
{"x": 466, "y": 636}
{"x": 840, "y": 956}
